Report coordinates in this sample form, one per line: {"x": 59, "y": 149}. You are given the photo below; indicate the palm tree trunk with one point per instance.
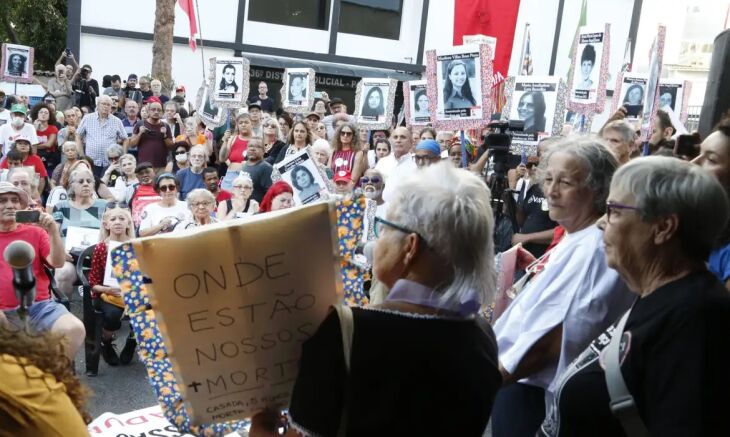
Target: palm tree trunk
{"x": 162, "y": 44}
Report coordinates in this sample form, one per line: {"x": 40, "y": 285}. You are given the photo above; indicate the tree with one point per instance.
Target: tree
{"x": 40, "y": 24}
{"x": 162, "y": 44}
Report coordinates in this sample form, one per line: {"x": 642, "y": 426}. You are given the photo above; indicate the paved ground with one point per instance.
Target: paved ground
{"x": 116, "y": 389}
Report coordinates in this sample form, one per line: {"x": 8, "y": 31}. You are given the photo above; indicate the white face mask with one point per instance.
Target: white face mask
{"x": 181, "y": 158}
{"x": 17, "y": 122}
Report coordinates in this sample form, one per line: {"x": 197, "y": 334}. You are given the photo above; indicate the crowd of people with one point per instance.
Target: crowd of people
{"x": 626, "y": 256}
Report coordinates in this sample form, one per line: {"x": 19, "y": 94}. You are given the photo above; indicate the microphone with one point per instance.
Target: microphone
{"x": 20, "y": 255}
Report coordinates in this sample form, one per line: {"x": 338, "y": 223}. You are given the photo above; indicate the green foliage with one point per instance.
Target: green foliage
{"x": 40, "y": 24}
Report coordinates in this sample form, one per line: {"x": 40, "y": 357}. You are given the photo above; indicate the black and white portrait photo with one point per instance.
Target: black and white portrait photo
{"x": 229, "y": 80}
{"x": 534, "y": 102}
{"x": 458, "y": 78}
{"x": 301, "y": 172}
{"x": 208, "y": 110}
{"x": 374, "y": 102}
{"x": 17, "y": 63}
{"x": 671, "y": 94}
{"x": 633, "y": 89}
{"x": 419, "y": 103}
{"x": 587, "y": 66}
{"x": 297, "y": 92}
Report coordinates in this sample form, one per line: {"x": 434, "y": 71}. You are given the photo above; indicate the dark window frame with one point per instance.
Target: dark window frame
{"x": 260, "y": 11}
{"x": 361, "y": 24}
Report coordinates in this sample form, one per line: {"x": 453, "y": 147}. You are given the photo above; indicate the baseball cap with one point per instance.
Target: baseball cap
{"x": 25, "y": 138}
{"x": 7, "y": 187}
{"x": 20, "y": 108}
{"x": 132, "y": 76}
{"x": 342, "y": 175}
{"x": 313, "y": 114}
{"x": 254, "y": 104}
{"x": 336, "y": 101}
{"x": 153, "y": 99}
{"x": 180, "y": 89}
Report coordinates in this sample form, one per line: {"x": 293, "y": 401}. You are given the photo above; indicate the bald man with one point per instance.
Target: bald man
{"x": 98, "y": 131}
{"x": 398, "y": 165}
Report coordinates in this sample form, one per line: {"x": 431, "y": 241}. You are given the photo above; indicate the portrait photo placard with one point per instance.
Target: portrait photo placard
{"x": 459, "y": 81}
{"x": 17, "y": 63}
{"x": 297, "y": 93}
{"x": 417, "y": 108}
{"x": 651, "y": 101}
{"x": 674, "y": 93}
{"x": 538, "y": 102}
{"x": 587, "y": 87}
{"x": 630, "y": 92}
{"x": 301, "y": 172}
{"x": 230, "y": 81}
{"x": 374, "y": 100}
{"x": 209, "y": 112}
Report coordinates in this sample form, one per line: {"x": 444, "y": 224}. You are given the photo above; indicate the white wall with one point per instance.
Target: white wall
{"x": 440, "y": 27}
{"x": 541, "y": 16}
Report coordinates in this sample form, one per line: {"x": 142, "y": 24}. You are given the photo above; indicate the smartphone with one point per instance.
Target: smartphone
{"x": 68, "y": 51}
{"x": 27, "y": 216}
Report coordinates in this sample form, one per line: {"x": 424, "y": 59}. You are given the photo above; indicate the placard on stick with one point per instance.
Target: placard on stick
{"x": 460, "y": 86}
{"x": 651, "y": 102}
{"x": 234, "y": 316}
{"x": 17, "y": 63}
{"x": 587, "y": 84}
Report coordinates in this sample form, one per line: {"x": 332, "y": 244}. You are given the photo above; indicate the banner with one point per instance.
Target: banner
{"x": 234, "y": 316}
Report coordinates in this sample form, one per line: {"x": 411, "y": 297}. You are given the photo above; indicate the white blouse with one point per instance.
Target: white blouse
{"x": 577, "y": 289}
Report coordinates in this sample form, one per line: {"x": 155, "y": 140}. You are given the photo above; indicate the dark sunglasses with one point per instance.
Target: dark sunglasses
{"x": 114, "y": 204}
{"x": 182, "y": 152}
{"x": 347, "y": 134}
{"x": 113, "y": 158}
{"x": 166, "y": 188}
{"x": 367, "y": 180}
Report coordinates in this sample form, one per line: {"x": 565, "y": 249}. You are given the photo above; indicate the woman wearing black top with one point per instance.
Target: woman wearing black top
{"x": 272, "y": 143}
{"x": 423, "y": 362}
{"x": 663, "y": 217}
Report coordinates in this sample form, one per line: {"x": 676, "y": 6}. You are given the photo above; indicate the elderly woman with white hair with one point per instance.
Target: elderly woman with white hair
{"x": 241, "y": 204}
{"x": 435, "y": 253}
{"x": 202, "y": 204}
{"x": 568, "y": 296}
{"x": 322, "y": 152}
{"x": 669, "y": 351}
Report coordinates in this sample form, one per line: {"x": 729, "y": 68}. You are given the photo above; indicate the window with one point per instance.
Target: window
{"x": 376, "y": 18}
{"x": 311, "y": 14}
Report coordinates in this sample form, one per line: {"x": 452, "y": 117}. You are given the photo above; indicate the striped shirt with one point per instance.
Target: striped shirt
{"x": 99, "y": 134}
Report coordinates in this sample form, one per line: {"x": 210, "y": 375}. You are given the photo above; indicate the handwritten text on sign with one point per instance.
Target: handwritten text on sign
{"x": 235, "y": 301}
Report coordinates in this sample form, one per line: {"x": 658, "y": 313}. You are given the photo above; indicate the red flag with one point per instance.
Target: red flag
{"x": 189, "y": 8}
{"x": 496, "y": 18}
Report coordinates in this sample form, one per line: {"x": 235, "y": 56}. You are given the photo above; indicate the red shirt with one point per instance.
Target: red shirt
{"x": 143, "y": 196}
{"x": 238, "y": 150}
{"x": 38, "y": 238}
{"x": 31, "y": 161}
{"x": 44, "y": 134}
{"x": 222, "y": 196}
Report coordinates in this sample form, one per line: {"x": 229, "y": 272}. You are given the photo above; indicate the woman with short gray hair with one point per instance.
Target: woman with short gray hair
{"x": 568, "y": 296}
{"x": 662, "y": 219}
{"x": 202, "y": 204}
{"x": 435, "y": 253}
{"x": 619, "y": 136}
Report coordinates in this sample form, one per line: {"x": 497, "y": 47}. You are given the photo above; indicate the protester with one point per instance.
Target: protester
{"x": 117, "y": 227}
{"x": 156, "y": 89}
{"x": 272, "y": 142}
{"x": 131, "y": 92}
{"x": 343, "y": 184}
{"x": 132, "y": 119}
{"x": 23, "y": 147}
{"x": 279, "y": 196}
{"x": 114, "y": 171}
{"x": 257, "y": 169}
{"x": 455, "y": 154}
{"x": 434, "y": 252}
{"x": 71, "y": 152}
{"x": 60, "y": 87}
{"x": 662, "y": 219}
{"x": 17, "y": 128}
{"x": 44, "y": 120}
{"x": 320, "y": 130}
{"x": 153, "y": 138}
{"x": 162, "y": 216}
{"x": 254, "y": 111}
{"x": 619, "y": 135}
{"x": 347, "y": 154}
{"x": 85, "y": 88}
{"x": 98, "y": 131}
{"x": 285, "y": 124}
{"x": 322, "y": 153}
{"x": 427, "y": 152}
{"x": 180, "y": 157}
{"x": 398, "y": 165}
{"x": 299, "y": 138}
{"x": 233, "y": 150}
{"x": 128, "y": 177}
{"x": 662, "y": 131}
{"x": 212, "y": 184}
{"x": 266, "y": 102}
{"x": 241, "y": 204}
{"x": 172, "y": 118}
{"x": 312, "y": 119}
{"x": 142, "y": 194}
{"x": 570, "y": 295}
{"x": 68, "y": 132}
{"x": 202, "y": 207}
{"x": 192, "y": 177}
{"x": 444, "y": 139}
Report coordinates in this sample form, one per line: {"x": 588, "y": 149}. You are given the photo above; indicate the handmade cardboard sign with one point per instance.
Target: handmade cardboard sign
{"x": 234, "y": 302}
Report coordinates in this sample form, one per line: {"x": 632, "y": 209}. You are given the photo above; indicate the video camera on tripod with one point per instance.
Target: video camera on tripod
{"x": 497, "y": 143}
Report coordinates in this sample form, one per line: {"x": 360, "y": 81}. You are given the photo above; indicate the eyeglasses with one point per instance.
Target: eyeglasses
{"x": 370, "y": 180}
{"x": 611, "y": 208}
{"x": 113, "y": 204}
{"x": 346, "y": 133}
{"x": 380, "y": 222}
{"x": 166, "y": 188}
{"x": 203, "y": 203}
{"x": 182, "y": 152}
{"x": 113, "y": 158}
{"x": 271, "y": 125}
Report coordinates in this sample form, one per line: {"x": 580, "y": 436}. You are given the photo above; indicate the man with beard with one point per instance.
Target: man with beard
{"x": 153, "y": 138}
{"x": 372, "y": 184}
{"x": 131, "y": 92}
{"x": 211, "y": 180}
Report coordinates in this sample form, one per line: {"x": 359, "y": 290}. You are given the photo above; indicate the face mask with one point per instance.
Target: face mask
{"x": 17, "y": 122}
{"x": 181, "y": 158}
